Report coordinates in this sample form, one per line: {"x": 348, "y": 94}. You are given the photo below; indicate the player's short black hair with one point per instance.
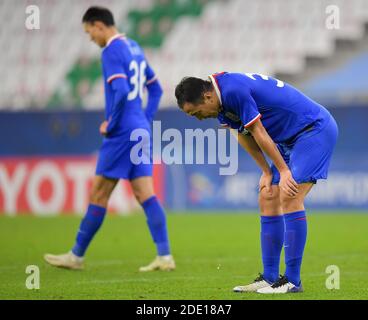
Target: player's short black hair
{"x": 102, "y": 14}
{"x": 191, "y": 90}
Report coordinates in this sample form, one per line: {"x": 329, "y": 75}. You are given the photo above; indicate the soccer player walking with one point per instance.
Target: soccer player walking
{"x": 126, "y": 73}
{"x": 276, "y": 120}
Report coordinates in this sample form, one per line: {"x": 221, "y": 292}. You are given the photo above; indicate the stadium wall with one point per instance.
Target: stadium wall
{"x": 47, "y": 161}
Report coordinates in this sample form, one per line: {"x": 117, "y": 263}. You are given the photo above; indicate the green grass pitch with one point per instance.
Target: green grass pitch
{"x": 213, "y": 251}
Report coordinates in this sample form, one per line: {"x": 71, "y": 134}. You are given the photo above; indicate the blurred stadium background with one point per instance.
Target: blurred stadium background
{"x": 51, "y": 96}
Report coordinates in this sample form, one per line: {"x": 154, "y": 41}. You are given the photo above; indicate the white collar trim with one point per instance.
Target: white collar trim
{"x": 119, "y": 35}
{"x": 217, "y": 89}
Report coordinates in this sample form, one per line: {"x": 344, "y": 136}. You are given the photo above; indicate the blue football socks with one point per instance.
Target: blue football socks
{"x": 295, "y": 238}
{"x": 156, "y": 221}
{"x": 88, "y": 228}
{"x": 272, "y": 239}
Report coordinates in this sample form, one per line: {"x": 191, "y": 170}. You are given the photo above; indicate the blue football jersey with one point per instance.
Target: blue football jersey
{"x": 123, "y": 58}
{"x": 285, "y": 111}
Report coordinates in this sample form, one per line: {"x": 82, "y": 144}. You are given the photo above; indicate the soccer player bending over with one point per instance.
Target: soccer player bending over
{"x": 126, "y": 72}
{"x": 276, "y": 120}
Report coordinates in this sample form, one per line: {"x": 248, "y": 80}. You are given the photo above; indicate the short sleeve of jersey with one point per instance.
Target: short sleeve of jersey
{"x": 242, "y": 103}
{"x": 113, "y": 66}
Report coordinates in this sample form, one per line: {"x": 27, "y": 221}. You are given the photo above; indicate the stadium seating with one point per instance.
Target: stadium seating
{"x": 57, "y": 65}
{"x": 35, "y": 62}
{"x": 266, "y": 36}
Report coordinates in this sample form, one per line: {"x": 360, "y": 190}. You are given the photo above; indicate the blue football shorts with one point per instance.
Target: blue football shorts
{"x": 115, "y": 158}
{"x": 308, "y": 155}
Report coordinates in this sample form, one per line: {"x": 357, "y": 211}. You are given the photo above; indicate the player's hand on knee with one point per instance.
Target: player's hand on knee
{"x": 288, "y": 184}
{"x": 265, "y": 182}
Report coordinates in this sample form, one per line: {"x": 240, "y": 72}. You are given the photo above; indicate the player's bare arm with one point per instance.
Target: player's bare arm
{"x": 266, "y": 144}
{"x": 250, "y": 145}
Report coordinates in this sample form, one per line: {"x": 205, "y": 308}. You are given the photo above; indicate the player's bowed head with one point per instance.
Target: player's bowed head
{"x": 197, "y": 98}
{"x": 99, "y": 23}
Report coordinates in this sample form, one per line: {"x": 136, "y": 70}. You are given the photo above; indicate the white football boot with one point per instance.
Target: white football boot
{"x": 281, "y": 286}
{"x": 258, "y": 283}
{"x": 68, "y": 260}
{"x": 162, "y": 263}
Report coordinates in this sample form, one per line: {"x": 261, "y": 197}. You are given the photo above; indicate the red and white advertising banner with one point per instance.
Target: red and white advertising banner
{"x": 59, "y": 185}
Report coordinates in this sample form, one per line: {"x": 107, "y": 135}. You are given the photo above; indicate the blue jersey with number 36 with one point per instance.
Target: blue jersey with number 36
{"x": 123, "y": 58}
{"x": 284, "y": 110}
